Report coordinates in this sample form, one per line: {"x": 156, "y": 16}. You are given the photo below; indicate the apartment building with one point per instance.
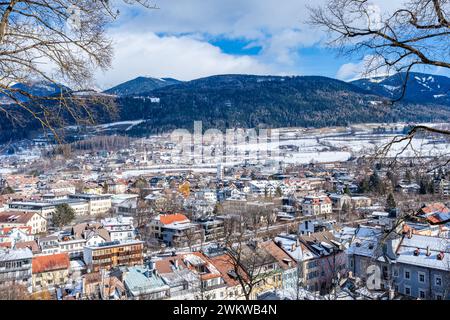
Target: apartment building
{"x": 97, "y": 203}
{"x": 15, "y": 267}
{"x": 412, "y": 265}
{"x": 50, "y": 270}
{"x": 111, "y": 254}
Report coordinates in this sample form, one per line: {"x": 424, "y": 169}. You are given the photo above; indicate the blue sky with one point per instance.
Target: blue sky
{"x": 189, "y": 39}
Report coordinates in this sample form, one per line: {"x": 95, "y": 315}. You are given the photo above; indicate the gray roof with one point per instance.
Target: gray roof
{"x": 15, "y": 254}
{"x": 140, "y": 280}
{"x": 436, "y": 245}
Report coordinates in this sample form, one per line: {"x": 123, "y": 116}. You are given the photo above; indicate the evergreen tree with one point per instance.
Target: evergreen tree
{"x": 390, "y": 202}
{"x": 63, "y": 215}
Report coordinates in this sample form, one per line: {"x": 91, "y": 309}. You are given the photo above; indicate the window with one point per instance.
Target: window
{"x": 438, "y": 280}
{"x": 421, "y": 277}
{"x": 438, "y": 297}
{"x": 407, "y": 274}
{"x": 421, "y": 294}
{"x": 407, "y": 290}
{"x": 395, "y": 272}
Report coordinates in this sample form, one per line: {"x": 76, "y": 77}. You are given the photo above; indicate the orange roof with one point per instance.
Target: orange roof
{"x": 224, "y": 264}
{"x": 171, "y": 218}
{"x": 435, "y": 207}
{"x": 50, "y": 263}
{"x": 5, "y": 244}
{"x": 26, "y": 229}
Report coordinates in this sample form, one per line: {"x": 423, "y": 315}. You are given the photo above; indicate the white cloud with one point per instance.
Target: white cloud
{"x": 181, "y": 50}
{"x": 368, "y": 67}
{"x": 183, "y": 58}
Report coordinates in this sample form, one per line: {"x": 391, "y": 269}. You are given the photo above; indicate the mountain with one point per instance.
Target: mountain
{"x": 250, "y": 101}
{"x": 140, "y": 85}
{"x": 40, "y": 88}
{"x": 421, "y": 87}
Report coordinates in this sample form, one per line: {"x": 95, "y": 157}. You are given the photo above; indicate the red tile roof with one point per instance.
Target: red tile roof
{"x": 16, "y": 217}
{"x": 50, "y": 263}
{"x": 171, "y": 218}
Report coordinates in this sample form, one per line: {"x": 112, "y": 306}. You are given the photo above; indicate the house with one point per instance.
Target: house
{"x": 44, "y": 209}
{"x": 111, "y": 254}
{"x": 319, "y": 256}
{"x": 325, "y": 261}
{"x": 413, "y": 265}
{"x": 291, "y": 274}
{"x": 316, "y": 205}
{"x": 435, "y": 214}
{"x": 145, "y": 284}
{"x": 120, "y": 228}
{"x": 32, "y": 245}
{"x": 14, "y": 235}
{"x": 50, "y": 270}
{"x": 260, "y": 267}
{"x": 125, "y": 204}
{"x": 33, "y": 221}
{"x": 360, "y": 202}
{"x": 223, "y": 262}
{"x": 16, "y": 267}
{"x": 422, "y": 267}
{"x": 191, "y": 276}
{"x": 339, "y": 200}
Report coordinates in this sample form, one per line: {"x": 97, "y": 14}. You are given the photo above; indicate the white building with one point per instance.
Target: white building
{"x": 120, "y": 228}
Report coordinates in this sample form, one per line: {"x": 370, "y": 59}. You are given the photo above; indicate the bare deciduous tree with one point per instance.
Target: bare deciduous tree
{"x": 59, "y": 41}
{"x": 415, "y": 33}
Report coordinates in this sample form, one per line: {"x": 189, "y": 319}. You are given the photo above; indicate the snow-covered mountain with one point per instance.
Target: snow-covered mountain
{"x": 140, "y": 85}
{"x": 421, "y": 87}
{"x": 35, "y": 88}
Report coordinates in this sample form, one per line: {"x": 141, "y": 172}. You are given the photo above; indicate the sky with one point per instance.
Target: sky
{"x": 190, "y": 39}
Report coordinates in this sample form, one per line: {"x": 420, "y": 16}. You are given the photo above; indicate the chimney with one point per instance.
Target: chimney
{"x": 293, "y": 247}
{"x": 440, "y": 256}
{"x": 428, "y": 251}
{"x": 410, "y": 233}
{"x": 175, "y": 263}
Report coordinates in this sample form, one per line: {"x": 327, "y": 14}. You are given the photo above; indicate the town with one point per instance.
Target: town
{"x": 115, "y": 218}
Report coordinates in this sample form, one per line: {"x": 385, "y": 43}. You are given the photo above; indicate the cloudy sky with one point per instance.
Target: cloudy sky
{"x": 189, "y": 39}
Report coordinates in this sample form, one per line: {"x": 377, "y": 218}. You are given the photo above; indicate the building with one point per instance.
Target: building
{"x": 111, "y": 254}
{"x": 213, "y": 229}
{"x": 33, "y": 221}
{"x": 44, "y": 209}
{"x": 291, "y": 274}
{"x": 412, "y": 265}
{"x": 98, "y": 204}
{"x": 191, "y": 276}
{"x": 175, "y": 230}
{"x": 50, "y": 271}
{"x": 120, "y": 228}
{"x": 14, "y": 235}
{"x": 319, "y": 256}
{"x": 16, "y": 267}
{"x": 80, "y": 206}
{"x": 316, "y": 205}
{"x": 145, "y": 284}
{"x": 443, "y": 187}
